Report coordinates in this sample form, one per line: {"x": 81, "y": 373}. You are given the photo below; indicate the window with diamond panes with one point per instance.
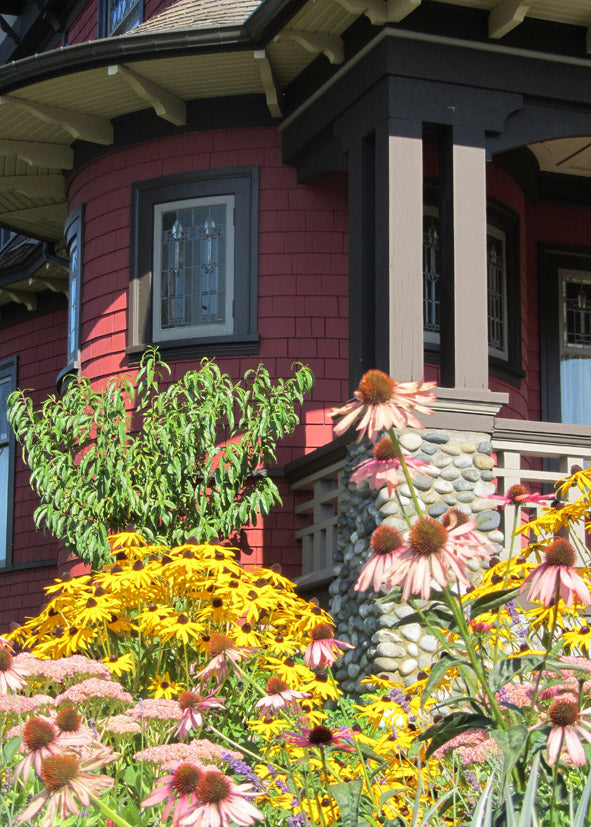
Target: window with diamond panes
{"x": 496, "y": 285}
{"x": 119, "y": 16}
{"x": 193, "y": 252}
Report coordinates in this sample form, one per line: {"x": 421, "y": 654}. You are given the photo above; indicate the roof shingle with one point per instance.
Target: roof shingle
{"x": 199, "y": 14}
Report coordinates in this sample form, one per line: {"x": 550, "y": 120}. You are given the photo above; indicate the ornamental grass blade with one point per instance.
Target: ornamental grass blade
{"x": 482, "y": 816}
{"x": 582, "y": 817}
{"x": 510, "y": 820}
{"x": 527, "y": 817}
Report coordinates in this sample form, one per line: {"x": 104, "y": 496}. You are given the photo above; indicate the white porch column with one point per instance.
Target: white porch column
{"x": 470, "y": 267}
{"x": 399, "y": 246}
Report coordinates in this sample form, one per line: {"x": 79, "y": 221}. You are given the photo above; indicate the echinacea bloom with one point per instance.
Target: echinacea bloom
{"x": 383, "y": 468}
{"x": 279, "y": 696}
{"x": 178, "y": 790}
{"x": 381, "y": 403}
{"x": 325, "y": 648}
{"x": 222, "y": 802}
{"x": 386, "y": 544}
{"x": 41, "y": 739}
{"x": 569, "y": 725}
{"x": 432, "y": 552}
{"x": 224, "y": 653}
{"x": 321, "y": 736}
{"x": 12, "y": 676}
{"x": 192, "y": 705}
{"x": 64, "y": 777}
{"x": 556, "y": 574}
{"x": 519, "y": 495}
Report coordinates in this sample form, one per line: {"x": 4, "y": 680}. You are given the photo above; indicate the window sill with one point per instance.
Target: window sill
{"x": 191, "y": 348}
{"x": 37, "y": 564}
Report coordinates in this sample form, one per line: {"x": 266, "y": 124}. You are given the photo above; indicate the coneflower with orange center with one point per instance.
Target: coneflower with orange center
{"x": 386, "y": 543}
{"x": 381, "y": 403}
{"x": 193, "y": 705}
{"x": 384, "y": 468}
{"x": 556, "y": 576}
{"x": 520, "y": 495}
{"x": 320, "y": 736}
{"x": 224, "y": 654}
{"x": 569, "y": 725}
{"x": 12, "y": 676}
{"x": 434, "y": 552}
{"x": 279, "y": 696}
{"x": 222, "y": 802}
{"x": 324, "y": 648}
{"x": 179, "y": 790}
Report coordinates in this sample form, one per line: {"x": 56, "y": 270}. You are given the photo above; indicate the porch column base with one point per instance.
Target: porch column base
{"x": 465, "y": 409}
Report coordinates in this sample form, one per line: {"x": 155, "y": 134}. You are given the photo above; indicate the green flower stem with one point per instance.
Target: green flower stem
{"x": 401, "y": 507}
{"x": 400, "y": 455}
{"x": 109, "y": 813}
{"x": 515, "y": 519}
{"x": 546, "y": 653}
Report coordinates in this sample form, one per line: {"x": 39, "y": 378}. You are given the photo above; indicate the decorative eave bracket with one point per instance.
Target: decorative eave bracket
{"x": 505, "y": 16}
{"x": 34, "y": 186}
{"x": 166, "y": 105}
{"x": 381, "y": 12}
{"x": 53, "y": 156}
{"x": 56, "y": 285}
{"x": 20, "y": 297}
{"x": 272, "y": 95}
{"x": 80, "y": 125}
{"x": 317, "y": 43}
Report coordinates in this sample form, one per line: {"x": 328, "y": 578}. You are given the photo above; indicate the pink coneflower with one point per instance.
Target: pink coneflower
{"x": 222, "y": 800}
{"x": 41, "y": 739}
{"x": 224, "y": 653}
{"x": 386, "y": 543}
{"x": 279, "y": 696}
{"x": 431, "y": 553}
{"x": 324, "y": 649}
{"x": 381, "y": 403}
{"x": 569, "y": 725}
{"x": 192, "y": 705}
{"x": 179, "y": 790}
{"x": 519, "y": 495}
{"x": 64, "y": 777}
{"x": 556, "y": 574}
{"x": 12, "y": 675}
{"x": 321, "y": 736}
{"x": 383, "y": 468}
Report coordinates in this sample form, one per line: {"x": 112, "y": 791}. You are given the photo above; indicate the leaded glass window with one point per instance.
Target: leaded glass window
{"x": 431, "y": 277}
{"x": 122, "y": 15}
{"x": 7, "y": 385}
{"x": 193, "y": 268}
{"x": 74, "y": 234}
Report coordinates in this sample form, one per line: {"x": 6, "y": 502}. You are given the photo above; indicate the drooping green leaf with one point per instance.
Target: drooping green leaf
{"x": 492, "y": 601}
{"x": 443, "y": 731}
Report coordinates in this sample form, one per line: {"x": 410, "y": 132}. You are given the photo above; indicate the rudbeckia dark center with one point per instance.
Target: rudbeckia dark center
{"x": 213, "y": 788}
{"x": 186, "y": 779}
{"x": 561, "y": 553}
{"x": 385, "y": 539}
{"x": 563, "y": 713}
{"x": 375, "y": 388}
{"x": 427, "y": 536}
{"x": 58, "y": 770}
{"x": 385, "y": 449}
{"x": 320, "y": 735}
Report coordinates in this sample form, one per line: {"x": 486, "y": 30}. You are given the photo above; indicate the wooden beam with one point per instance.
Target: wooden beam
{"x": 18, "y": 296}
{"x": 506, "y": 16}
{"x": 268, "y": 80}
{"x": 35, "y": 186}
{"x": 80, "y": 125}
{"x": 56, "y": 285}
{"x": 317, "y": 43}
{"x": 51, "y": 213}
{"x": 380, "y": 12}
{"x": 168, "y": 106}
{"x": 54, "y": 156}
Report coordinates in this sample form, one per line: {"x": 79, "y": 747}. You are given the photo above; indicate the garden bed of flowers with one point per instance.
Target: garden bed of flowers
{"x": 175, "y": 686}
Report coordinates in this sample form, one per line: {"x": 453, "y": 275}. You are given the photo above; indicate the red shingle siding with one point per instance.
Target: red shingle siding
{"x": 85, "y": 26}
{"x": 302, "y": 277}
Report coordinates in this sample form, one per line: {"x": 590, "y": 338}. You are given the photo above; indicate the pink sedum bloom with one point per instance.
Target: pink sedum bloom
{"x": 324, "y": 649}
{"x": 569, "y": 725}
{"x": 386, "y": 543}
{"x": 432, "y": 553}
{"x": 279, "y": 696}
{"x": 12, "y": 675}
{"x": 385, "y": 468}
{"x": 556, "y": 576}
{"x": 222, "y": 803}
{"x": 381, "y": 403}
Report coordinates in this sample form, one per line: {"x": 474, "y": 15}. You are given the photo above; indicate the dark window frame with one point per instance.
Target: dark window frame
{"x": 9, "y": 369}
{"x": 103, "y": 18}
{"x": 74, "y": 235}
{"x": 551, "y": 260}
{"x": 505, "y": 220}
{"x": 242, "y": 183}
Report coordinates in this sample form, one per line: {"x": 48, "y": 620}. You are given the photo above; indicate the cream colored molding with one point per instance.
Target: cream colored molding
{"x": 316, "y": 42}
{"x": 56, "y": 285}
{"x": 166, "y": 105}
{"x": 380, "y": 12}
{"x": 28, "y": 299}
{"x": 80, "y": 125}
{"x": 54, "y": 156}
{"x": 506, "y": 16}
{"x": 54, "y": 214}
{"x": 268, "y": 81}
{"x": 35, "y": 186}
